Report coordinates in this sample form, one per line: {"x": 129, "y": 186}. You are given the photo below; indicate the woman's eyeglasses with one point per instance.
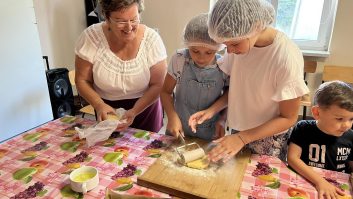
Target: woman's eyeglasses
{"x": 122, "y": 24}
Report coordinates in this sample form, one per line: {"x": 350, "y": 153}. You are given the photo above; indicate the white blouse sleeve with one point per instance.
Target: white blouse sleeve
{"x": 290, "y": 79}
{"x": 85, "y": 48}
{"x": 156, "y": 49}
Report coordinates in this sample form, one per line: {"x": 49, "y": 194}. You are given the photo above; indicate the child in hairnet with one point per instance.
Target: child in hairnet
{"x": 266, "y": 78}
{"x": 198, "y": 82}
{"x": 327, "y": 141}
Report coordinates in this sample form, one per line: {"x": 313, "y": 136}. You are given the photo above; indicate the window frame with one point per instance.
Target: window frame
{"x": 322, "y": 44}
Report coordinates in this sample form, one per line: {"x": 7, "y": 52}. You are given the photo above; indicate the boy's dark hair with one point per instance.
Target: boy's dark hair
{"x": 334, "y": 93}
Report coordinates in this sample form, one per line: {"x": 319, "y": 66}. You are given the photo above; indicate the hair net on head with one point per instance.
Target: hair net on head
{"x": 196, "y": 33}
{"x": 233, "y": 20}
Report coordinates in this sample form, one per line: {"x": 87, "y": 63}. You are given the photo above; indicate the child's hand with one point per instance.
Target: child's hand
{"x": 226, "y": 148}
{"x": 199, "y": 118}
{"x": 327, "y": 190}
{"x": 175, "y": 127}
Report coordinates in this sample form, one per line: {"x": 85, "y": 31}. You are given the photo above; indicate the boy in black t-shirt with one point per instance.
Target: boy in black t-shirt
{"x": 327, "y": 141}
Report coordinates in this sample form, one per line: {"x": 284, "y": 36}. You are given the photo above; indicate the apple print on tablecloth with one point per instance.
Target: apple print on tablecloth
{"x": 66, "y": 191}
{"x": 109, "y": 143}
{"x": 25, "y": 174}
{"x": 70, "y": 146}
{"x": 123, "y": 184}
{"x": 126, "y": 186}
{"x": 114, "y": 157}
{"x": 297, "y": 193}
{"x": 34, "y": 136}
{"x": 263, "y": 171}
{"x": 142, "y": 134}
{"x": 122, "y": 149}
{"x": 81, "y": 141}
{"x": 39, "y": 165}
{"x": 3, "y": 152}
{"x": 153, "y": 153}
{"x": 68, "y": 119}
{"x": 145, "y": 193}
{"x": 120, "y": 152}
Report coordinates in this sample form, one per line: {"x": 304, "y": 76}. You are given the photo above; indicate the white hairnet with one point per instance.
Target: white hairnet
{"x": 196, "y": 33}
{"x": 233, "y": 20}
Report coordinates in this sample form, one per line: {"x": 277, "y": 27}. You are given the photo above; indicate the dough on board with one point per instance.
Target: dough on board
{"x": 201, "y": 163}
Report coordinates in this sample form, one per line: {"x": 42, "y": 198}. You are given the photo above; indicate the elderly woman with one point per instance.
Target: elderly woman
{"x": 121, "y": 63}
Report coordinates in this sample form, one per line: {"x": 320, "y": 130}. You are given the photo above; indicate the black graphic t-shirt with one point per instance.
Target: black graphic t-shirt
{"x": 322, "y": 150}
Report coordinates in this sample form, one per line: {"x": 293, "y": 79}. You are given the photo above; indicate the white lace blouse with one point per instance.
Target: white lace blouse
{"x": 116, "y": 79}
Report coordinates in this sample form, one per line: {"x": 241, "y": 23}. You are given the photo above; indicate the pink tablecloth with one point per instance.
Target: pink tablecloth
{"x": 283, "y": 183}
{"x": 46, "y": 156}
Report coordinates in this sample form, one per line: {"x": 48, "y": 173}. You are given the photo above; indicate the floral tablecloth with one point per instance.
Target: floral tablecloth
{"x": 268, "y": 177}
{"x": 37, "y": 164}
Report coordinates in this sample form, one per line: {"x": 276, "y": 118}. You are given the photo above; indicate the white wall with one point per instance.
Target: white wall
{"x": 170, "y": 18}
{"x": 342, "y": 42}
{"x": 60, "y": 22}
{"x": 25, "y": 101}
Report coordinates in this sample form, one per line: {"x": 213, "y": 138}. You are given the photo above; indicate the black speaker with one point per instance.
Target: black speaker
{"x": 60, "y": 91}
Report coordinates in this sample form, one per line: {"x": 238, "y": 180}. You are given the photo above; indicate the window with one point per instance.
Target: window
{"x": 309, "y": 23}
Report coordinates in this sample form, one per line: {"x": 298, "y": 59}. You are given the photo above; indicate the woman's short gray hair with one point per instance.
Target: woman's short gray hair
{"x": 109, "y": 6}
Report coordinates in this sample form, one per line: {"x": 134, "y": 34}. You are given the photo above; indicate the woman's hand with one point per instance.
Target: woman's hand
{"x": 175, "y": 127}
{"x": 199, "y": 118}
{"x": 103, "y": 110}
{"x": 226, "y": 148}
{"x": 328, "y": 191}
{"x": 129, "y": 116}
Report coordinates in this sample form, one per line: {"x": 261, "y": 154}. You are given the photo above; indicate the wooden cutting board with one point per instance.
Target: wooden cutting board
{"x": 168, "y": 176}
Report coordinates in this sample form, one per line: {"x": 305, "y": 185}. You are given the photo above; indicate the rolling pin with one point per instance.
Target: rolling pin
{"x": 192, "y": 155}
